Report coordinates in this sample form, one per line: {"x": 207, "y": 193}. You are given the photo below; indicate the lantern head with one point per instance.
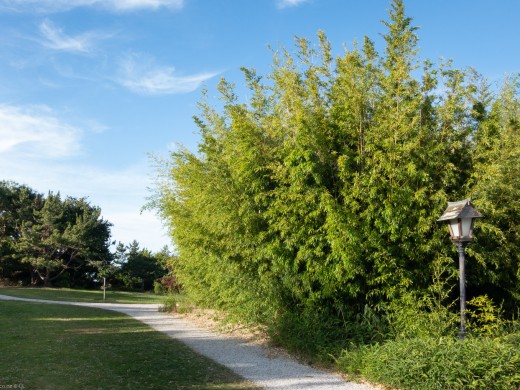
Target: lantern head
{"x": 460, "y": 217}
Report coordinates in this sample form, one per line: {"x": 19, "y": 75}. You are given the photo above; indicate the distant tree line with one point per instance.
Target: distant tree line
{"x": 317, "y": 196}
{"x": 140, "y": 269}
{"x": 50, "y": 241}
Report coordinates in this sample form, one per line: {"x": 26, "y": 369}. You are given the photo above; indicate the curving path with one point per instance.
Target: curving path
{"x": 248, "y": 360}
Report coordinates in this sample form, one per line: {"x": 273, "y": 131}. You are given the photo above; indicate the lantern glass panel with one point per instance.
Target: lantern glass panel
{"x": 454, "y": 228}
{"x": 466, "y": 227}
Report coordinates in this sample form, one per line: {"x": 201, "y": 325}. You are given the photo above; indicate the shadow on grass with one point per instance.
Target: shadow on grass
{"x": 48, "y": 346}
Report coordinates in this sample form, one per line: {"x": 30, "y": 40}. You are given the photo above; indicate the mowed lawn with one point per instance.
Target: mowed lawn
{"x": 66, "y": 294}
{"x": 46, "y": 346}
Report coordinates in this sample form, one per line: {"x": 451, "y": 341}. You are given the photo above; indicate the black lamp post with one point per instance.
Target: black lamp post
{"x": 460, "y": 217}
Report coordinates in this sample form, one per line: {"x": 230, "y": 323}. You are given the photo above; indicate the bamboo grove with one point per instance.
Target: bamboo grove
{"x": 316, "y": 196}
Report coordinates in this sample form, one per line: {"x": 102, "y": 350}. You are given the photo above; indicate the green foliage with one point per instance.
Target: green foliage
{"x": 432, "y": 314}
{"x": 311, "y": 207}
{"x": 66, "y": 243}
{"x": 438, "y": 363}
{"x": 424, "y": 352}
{"x": 157, "y": 287}
{"x": 139, "y": 269}
{"x": 485, "y": 319}
{"x": 496, "y": 189}
{"x": 54, "y": 240}
{"x": 17, "y": 205}
{"x": 170, "y": 304}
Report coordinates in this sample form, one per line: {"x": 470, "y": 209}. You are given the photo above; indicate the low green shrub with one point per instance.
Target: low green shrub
{"x": 177, "y": 303}
{"x": 319, "y": 334}
{"x": 309, "y": 333}
{"x": 170, "y": 304}
{"x": 423, "y": 352}
{"x": 430, "y": 313}
{"x": 484, "y": 318}
{"x": 428, "y": 363}
{"x": 157, "y": 287}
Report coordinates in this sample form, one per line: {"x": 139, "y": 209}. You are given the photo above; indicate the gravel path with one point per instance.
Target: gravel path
{"x": 250, "y": 361}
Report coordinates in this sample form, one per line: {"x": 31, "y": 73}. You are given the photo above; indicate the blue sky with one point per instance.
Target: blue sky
{"x": 89, "y": 88}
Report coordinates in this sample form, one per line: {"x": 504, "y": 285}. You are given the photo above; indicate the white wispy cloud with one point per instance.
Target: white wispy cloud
{"x": 49, "y": 6}
{"x": 114, "y": 190}
{"x": 289, "y": 3}
{"x": 36, "y": 131}
{"x": 40, "y": 149}
{"x": 129, "y": 5}
{"x": 139, "y": 74}
{"x": 54, "y": 38}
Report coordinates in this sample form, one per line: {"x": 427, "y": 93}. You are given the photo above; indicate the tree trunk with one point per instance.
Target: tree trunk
{"x": 47, "y": 281}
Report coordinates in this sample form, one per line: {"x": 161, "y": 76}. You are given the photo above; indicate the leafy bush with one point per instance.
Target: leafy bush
{"x": 170, "y": 304}
{"x": 157, "y": 287}
{"x": 432, "y": 313}
{"x": 424, "y": 354}
{"x": 311, "y": 207}
{"x": 439, "y": 363}
{"x": 311, "y": 333}
{"x": 484, "y": 318}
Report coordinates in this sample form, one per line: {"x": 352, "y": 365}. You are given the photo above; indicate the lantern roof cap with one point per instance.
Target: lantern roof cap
{"x": 460, "y": 209}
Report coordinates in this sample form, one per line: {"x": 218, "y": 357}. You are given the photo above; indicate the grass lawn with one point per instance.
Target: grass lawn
{"x": 65, "y": 294}
{"x": 69, "y": 347}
